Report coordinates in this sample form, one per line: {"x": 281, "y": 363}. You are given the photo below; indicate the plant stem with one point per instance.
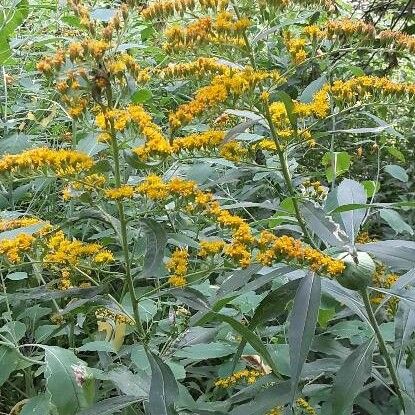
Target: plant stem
{"x": 382, "y": 346}
{"x": 123, "y": 226}
{"x": 280, "y": 152}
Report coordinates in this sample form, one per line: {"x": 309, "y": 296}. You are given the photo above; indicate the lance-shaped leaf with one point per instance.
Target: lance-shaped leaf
{"x": 404, "y": 327}
{"x": 323, "y": 226}
{"x": 351, "y": 377}
{"x": 111, "y": 405}
{"x": 156, "y": 242}
{"x": 164, "y": 391}
{"x": 65, "y": 380}
{"x": 303, "y": 322}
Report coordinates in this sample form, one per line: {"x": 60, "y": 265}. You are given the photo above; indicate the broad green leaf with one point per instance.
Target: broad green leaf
{"x": 141, "y": 95}
{"x": 323, "y": 225}
{"x": 16, "y": 276}
{"x": 156, "y": 242}
{"x": 110, "y": 406}
{"x": 336, "y": 164}
{"x": 61, "y": 365}
{"x": 205, "y": 351}
{"x": 303, "y": 322}
{"x": 351, "y": 192}
{"x": 312, "y": 88}
{"x": 127, "y": 382}
{"x": 351, "y": 377}
{"x": 38, "y": 405}
{"x": 395, "y": 221}
{"x": 164, "y": 391}
{"x": 393, "y": 151}
{"x": 397, "y": 253}
{"x": 9, "y": 360}
{"x": 371, "y": 187}
{"x": 404, "y": 327}
{"x": 397, "y": 172}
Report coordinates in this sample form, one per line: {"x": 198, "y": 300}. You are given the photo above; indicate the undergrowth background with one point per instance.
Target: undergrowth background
{"x": 207, "y": 207}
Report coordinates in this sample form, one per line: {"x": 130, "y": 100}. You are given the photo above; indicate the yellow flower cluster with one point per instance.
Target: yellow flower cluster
{"x": 118, "y": 193}
{"x": 103, "y": 313}
{"x": 90, "y": 182}
{"x": 51, "y": 63}
{"x": 222, "y": 86}
{"x": 206, "y": 140}
{"x": 233, "y": 151}
{"x": 201, "y": 67}
{"x": 14, "y": 248}
{"x": 285, "y": 248}
{"x": 314, "y": 189}
{"x": 177, "y": 266}
{"x": 275, "y": 411}
{"x": 366, "y": 86}
{"x": 208, "y": 248}
{"x": 383, "y": 279}
{"x": 296, "y": 48}
{"x": 364, "y": 237}
{"x": 62, "y": 162}
{"x": 305, "y": 407}
{"x": 224, "y": 27}
{"x": 69, "y": 252}
{"x": 9, "y": 224}
{"x": 123, "y": 63}
{"x": 249, "y": 376}
{"x": 166, "y": 8}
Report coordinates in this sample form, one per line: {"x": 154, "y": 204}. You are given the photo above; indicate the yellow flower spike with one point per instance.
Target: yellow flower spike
{"x": 14, "y": 248}
{"x": 177, "y": 266}
{"x": 63, "y": 162}
{"x": 118, "y": 193}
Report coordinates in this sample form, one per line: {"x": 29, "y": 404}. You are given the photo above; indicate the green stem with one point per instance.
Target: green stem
{"x": 281, "y": 155}
{"x": 123, "y": 226}
{"x": 382, "y": 346}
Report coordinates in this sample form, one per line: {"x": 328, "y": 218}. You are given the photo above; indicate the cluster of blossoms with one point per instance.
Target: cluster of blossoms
{"x": 9, "y": 224}
{"x": 165, "y": 8}
{"x": 62, "y": 162}
{"x": 14, "y": 248}
{"x": 177, "y": 265}
{"x": 118, "y": 317}
{"x": 200, "y": 68}
{"x": 247, "y": 375}
{"x": 314, "y": 189}
{"x": 285, "y": 248}
{"x": 234, "y": 83}
{"x": 63, "y": 251}
{"x": 225, "y": 28}
{"x": 296, "y": 48}
{"x": 242, "y": 242}
{"x": 384, "y": 279}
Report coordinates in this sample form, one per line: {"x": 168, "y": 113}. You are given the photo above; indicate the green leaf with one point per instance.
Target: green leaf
{"x": 127, "y": 382}
{"x": 141, "y": 95}
{"x": 156, "y": 238}
{"x": 395, "y": 221}
{"x": 336, "y": 163}
{"x": 308, "y": 94}
{"x": 66, "y": 394}
{"x": 371, "y": 187}
{"x": 9, "y": 360}
{"x": 404, "y": 327}
{"x": 303, "y": 322}
{"x": 397, "y": 172}
{"x": 164, "y": 391}
{"x": 323, "y": 225}
{"x": 205, "y": 351}
{"x": 393, "y": 151}
{"x": 351, "y": 192}
{"x": 38, "y": 405}
{"x": 396, "y": 253}
{"x": 249, "y": 337}
{"x": 111, "y": 405}
{"x": 289, "y": 107}
{"x": 17, "y": 276}
{"x": 351, "y": 377}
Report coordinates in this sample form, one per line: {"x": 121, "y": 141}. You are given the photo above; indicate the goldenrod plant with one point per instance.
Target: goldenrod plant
{"x": 201, "y": 208}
